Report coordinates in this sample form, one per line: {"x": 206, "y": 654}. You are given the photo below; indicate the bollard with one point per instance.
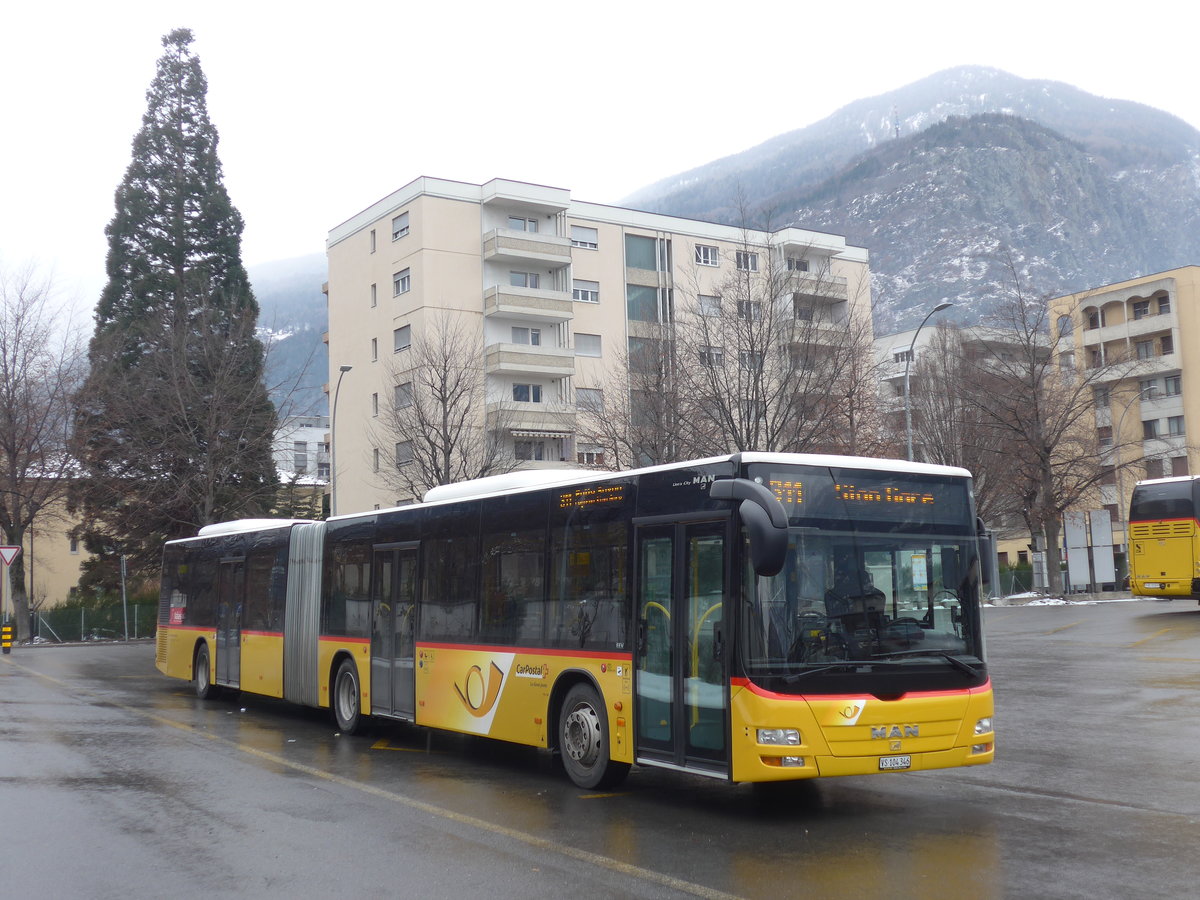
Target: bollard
{"x": 6, "y": 638}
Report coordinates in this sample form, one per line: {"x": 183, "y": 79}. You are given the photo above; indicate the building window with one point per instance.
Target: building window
{"x": 707, "y": 255}
{"x": 524, "y": 279}
{"x": 797, "y": 264}
{"x": 1111, "y": 509}
{"x": 323, "y": 470}
{"x": 73, "y": 543}
{"x": 750, "y": 360}
{"x": 404, "y": 453}
{"x": 710, "y": 305}
{"x": 641, "y": 252}
{"x": 1154, "y": 468}
{"x": 582, "y": 236}
{"x": 1095, "y": 318}
{"x": 711, "y": 356}
{"x": 750, "y": 310}
{"x": 1064, "y": 326}
{"x": 1104, "y": 435}
{"x": 375, "y": 404}
{"x": 527, "y": 393}
{"x": 1144, "y": 349}
{"x": 1175, "y": 425}
{"x": 1141, "y": 309}
{"x": 401, "y": 338}
{"x": 1148, "y": 388}
{"x": 374, "y": 349}
{"x": 374, "y": 296}
{"x": 372, "y": 240}
{"x": 1108, "y": 475}
{"x": 529, "y": 450}
{"x": 1164, "y": 304}
{"x": 399, "y": 226}
{"x": 401, "y": 282}
{"x": 1022, "y": 557}
{"x": 1149, "y": 429}
{"x": 590, "y": 455}
{"x": 747, "y": 261}
{"x": 641, "y": 302}
{"x": 375, "y": 460}
{"x": 1100, "y": 397}
{"x": 585, "y": 291}
{"x": 900, "y": 356}
{"x": 520, "y": 223}
{"x": 1173, "y": 385}
{"x": 801, "y": 312}
{"x": 529, "y": 336}
{"x": 590, "y": 399}
{"x": 587, "y": 344}
{"x": 1179, "y": 466}
{"x": 1168, "y": 344}
{"x": 403, "y": 395}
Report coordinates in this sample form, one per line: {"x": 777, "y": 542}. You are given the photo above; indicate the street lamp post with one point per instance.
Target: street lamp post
{"x": 907, "y": 363}
{"x": 342, "y": 370}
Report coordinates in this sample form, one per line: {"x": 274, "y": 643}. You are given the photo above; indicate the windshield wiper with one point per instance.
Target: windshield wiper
{"x": 830, "y": 667}
{"x": 944, "y": 654}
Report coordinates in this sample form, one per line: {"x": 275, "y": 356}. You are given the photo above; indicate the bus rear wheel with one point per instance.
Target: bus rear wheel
{"x": 202, "y": 674}
{"x": 347, "y": 711}
{"x": 583, "y": 740}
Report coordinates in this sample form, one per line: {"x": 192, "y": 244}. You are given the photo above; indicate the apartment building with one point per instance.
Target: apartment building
{"x": 555, "y": 290}
{"x": 301, "y": 448}
{"x": 1141, "y": 337}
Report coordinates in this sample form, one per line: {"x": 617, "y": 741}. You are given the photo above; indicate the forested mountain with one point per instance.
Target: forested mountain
{"x": 956, "y": 181}
{"x": 292, "y": 319}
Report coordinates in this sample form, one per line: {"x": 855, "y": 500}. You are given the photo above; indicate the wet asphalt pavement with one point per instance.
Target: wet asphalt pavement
{"x": 117, "y": 782}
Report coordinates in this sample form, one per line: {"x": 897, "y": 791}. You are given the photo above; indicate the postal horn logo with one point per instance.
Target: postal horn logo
{"x": 477, "y": 695}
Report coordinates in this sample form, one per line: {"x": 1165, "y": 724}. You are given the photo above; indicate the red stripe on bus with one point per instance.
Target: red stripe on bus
{"x": 543, "y": 651}
{"x": 334, "y": 638}
{"x": 278, "y": 634}
{"x": 771, "y": 695}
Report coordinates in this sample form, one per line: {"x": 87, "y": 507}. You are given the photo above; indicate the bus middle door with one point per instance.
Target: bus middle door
{"x": 682, "y": 694}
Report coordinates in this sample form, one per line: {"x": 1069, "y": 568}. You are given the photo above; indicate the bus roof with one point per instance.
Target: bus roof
{"x": 1172, "y": 480}
{"x": 528, "y": 479}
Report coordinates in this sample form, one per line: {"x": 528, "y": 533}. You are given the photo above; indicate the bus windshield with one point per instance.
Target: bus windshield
{"x": 1165, "y": 499}
{"x": 902, "y": 608}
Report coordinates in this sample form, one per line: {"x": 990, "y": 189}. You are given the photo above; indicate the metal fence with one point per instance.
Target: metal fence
{"x": 104, "y": 623}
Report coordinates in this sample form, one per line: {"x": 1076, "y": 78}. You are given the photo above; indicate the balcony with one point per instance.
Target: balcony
{"x": 526, "y": 359}
{"x": 507, "y": 245}
{"x": 548, "y": 420}
{"x": 821, "y": 287}
{"x": 528, "y": 303}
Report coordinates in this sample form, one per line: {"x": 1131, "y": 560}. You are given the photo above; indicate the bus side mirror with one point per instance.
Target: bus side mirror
{"x": 764, "y": 519}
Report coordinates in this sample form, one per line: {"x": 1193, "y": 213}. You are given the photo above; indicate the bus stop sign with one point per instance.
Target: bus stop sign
{"x": 8, "y": 554}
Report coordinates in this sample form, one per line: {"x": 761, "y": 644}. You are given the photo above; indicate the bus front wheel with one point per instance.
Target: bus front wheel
{"x": 347, "y": 711}
{"x": 202, "y": 674}
{"x": 583, "y": 740}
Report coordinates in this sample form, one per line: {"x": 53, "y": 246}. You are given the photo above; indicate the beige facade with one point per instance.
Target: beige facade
{"x": 554, "y": 289}
{"x": 1142, "y": 336}
{"x": 52, "y": 557}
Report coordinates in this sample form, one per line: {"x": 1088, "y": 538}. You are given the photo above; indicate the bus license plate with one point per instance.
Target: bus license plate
{"x": 1153, "y": 586}
{"x": 895, "y": 762}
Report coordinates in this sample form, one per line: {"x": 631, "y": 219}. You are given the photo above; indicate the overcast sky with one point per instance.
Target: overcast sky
{"x": 323, "y": 109}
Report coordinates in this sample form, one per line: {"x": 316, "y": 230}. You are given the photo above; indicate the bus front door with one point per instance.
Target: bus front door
{"x": 231, "y": 585}
{"x": 682, "y": 681}
{"x": 393, "y": 607}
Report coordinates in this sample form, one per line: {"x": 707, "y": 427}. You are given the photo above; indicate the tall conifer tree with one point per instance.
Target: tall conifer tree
{"x": 174, "y": 423}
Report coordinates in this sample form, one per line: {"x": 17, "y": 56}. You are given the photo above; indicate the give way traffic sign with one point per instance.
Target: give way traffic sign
{"x": 8, "y": 554}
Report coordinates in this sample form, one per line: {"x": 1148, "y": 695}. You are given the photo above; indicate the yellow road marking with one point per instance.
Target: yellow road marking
{"x": 1151, "y": 637}
{"x": 595, "y": 859}
{"x": 1064, "y": 627}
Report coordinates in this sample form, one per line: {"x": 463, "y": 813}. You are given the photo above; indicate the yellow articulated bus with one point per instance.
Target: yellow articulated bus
{"x": 755, "y": 617}
{"x": 1164, "y": 557}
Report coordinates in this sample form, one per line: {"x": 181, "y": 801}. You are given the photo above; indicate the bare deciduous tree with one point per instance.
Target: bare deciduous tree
{"x": 432, "y": 426}
{"x": 40, "y": 368}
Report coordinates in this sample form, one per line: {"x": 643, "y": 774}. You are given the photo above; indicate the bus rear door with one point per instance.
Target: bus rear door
{"x": 682, "y": 695}
{"x": 231, "y": 588}
{"x": 393, "y": 607}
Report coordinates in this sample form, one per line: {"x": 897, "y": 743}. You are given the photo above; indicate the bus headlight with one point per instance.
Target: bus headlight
{"x": 984, "y": 725}
{"x": 789, "y": 737}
